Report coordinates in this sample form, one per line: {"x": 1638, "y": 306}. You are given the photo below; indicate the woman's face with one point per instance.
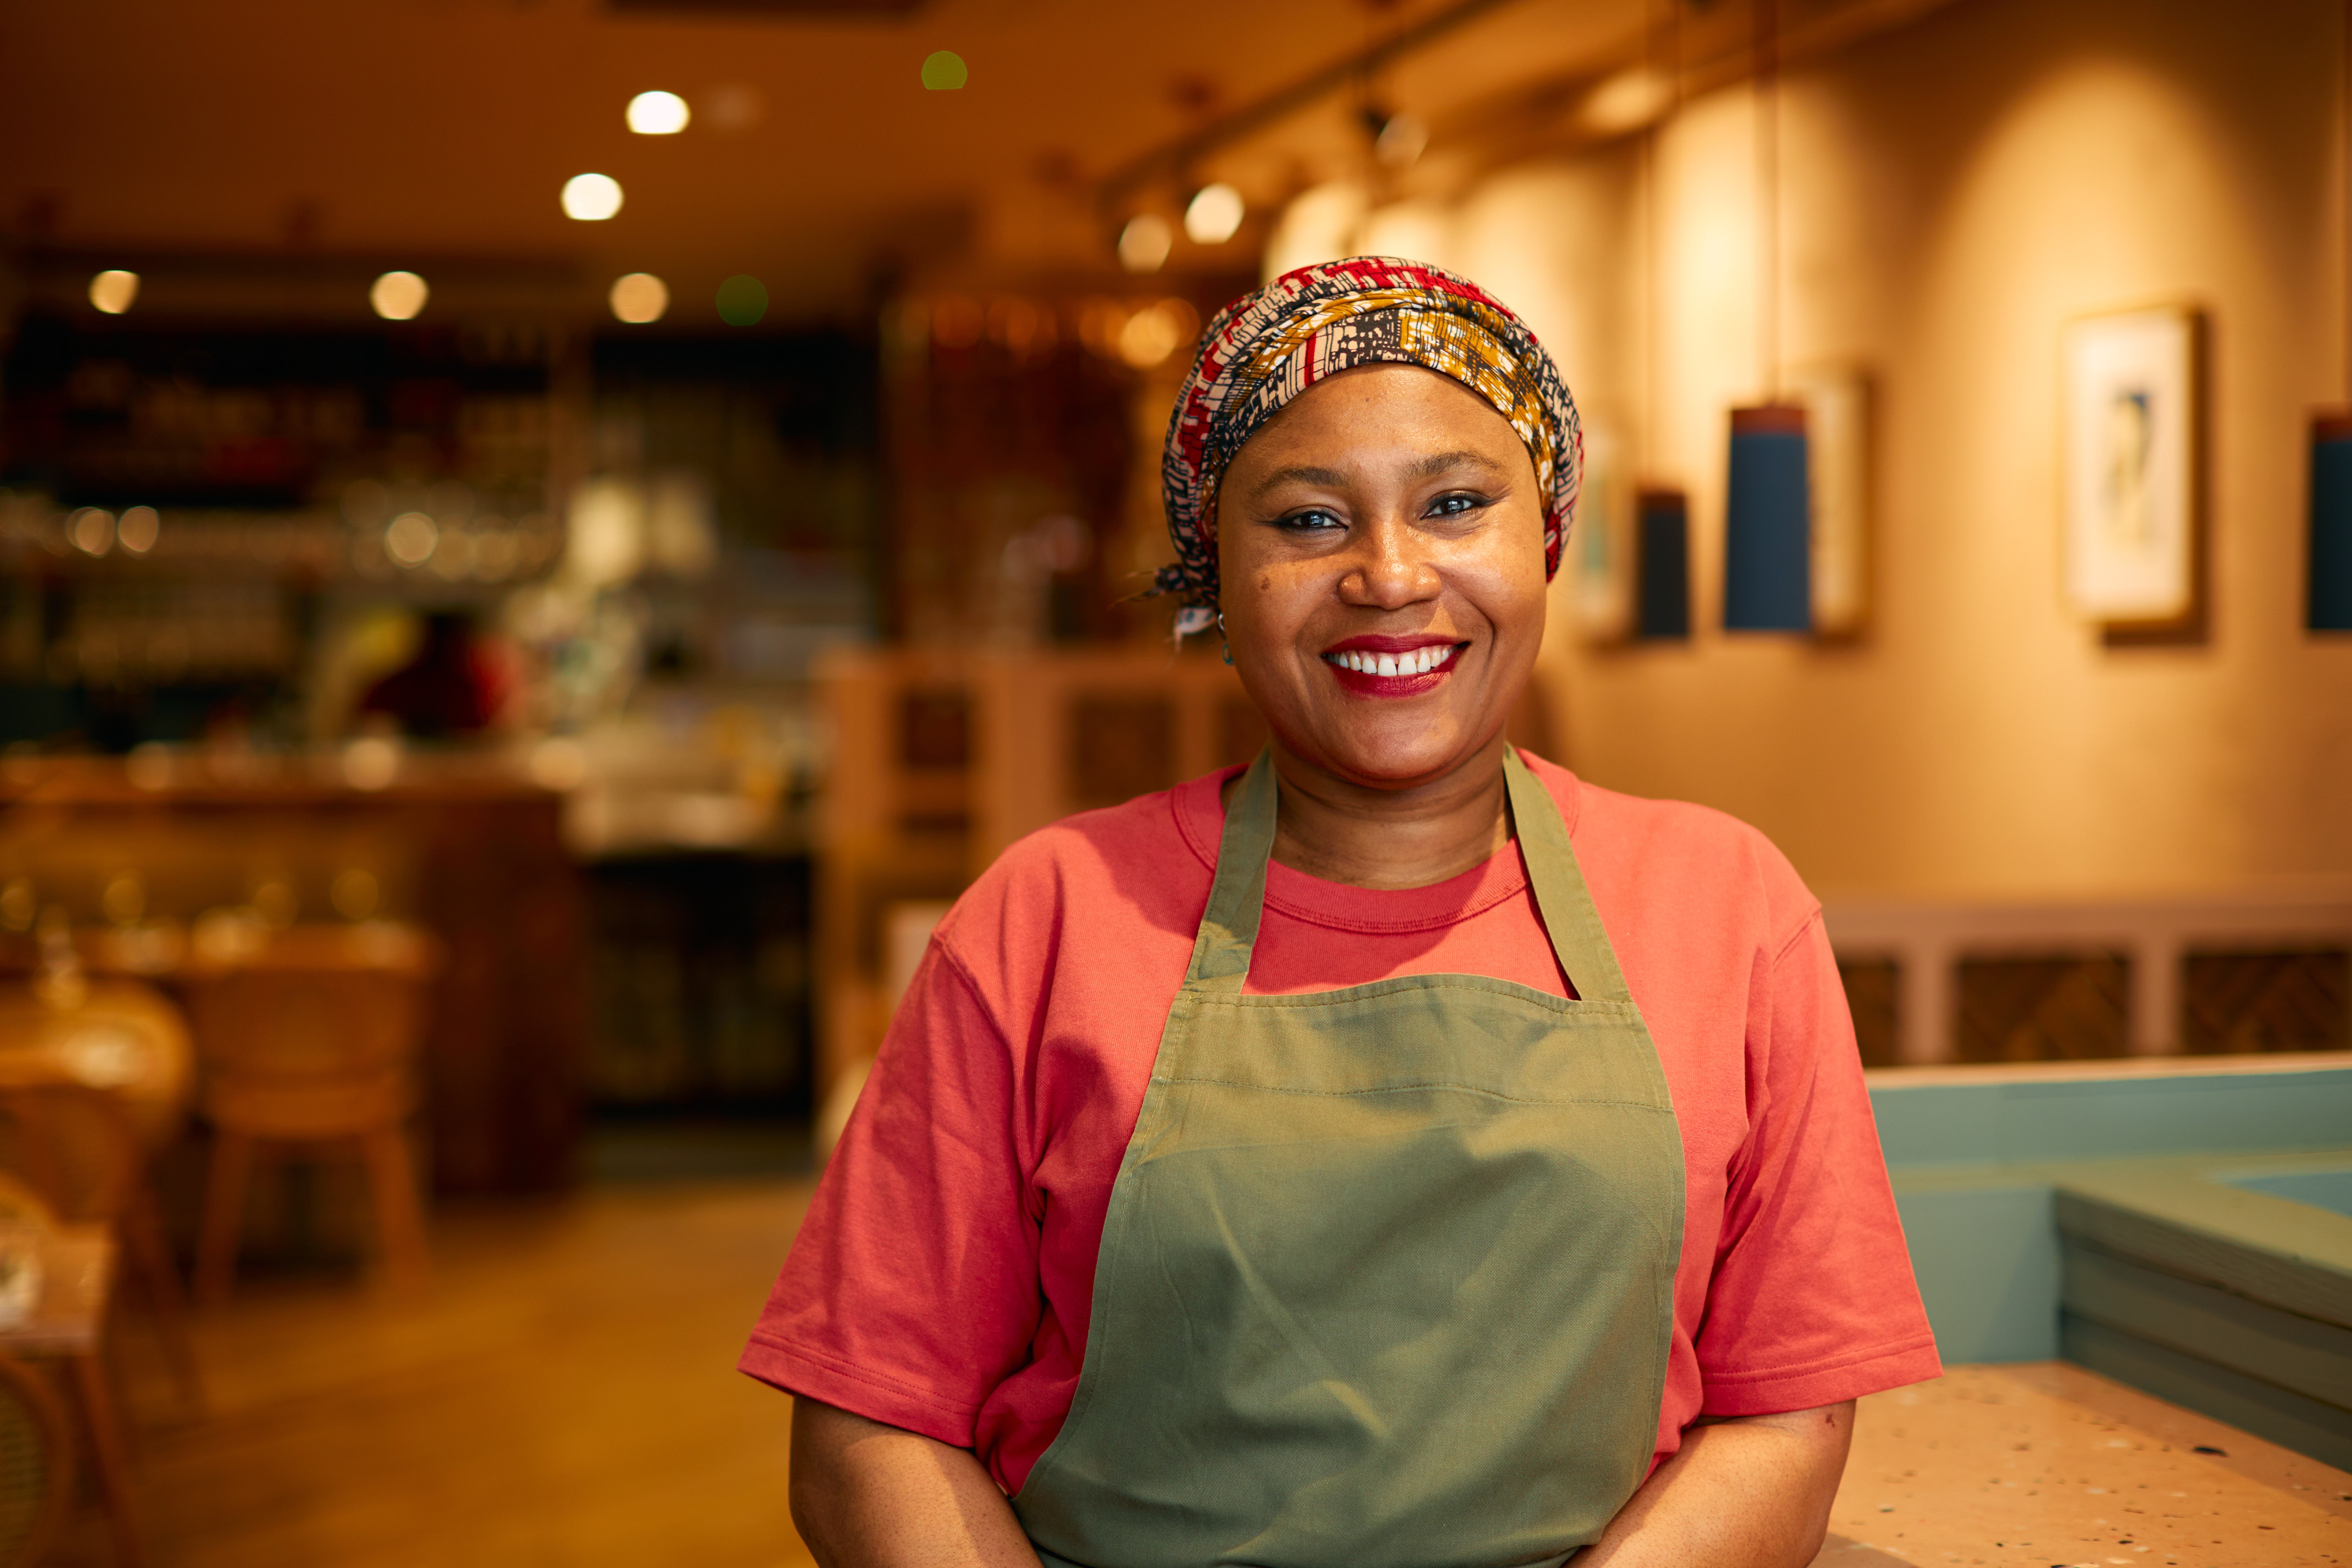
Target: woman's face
{"x": 1380, "y": 548}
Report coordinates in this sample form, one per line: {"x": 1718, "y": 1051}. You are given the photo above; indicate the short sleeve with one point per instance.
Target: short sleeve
{"x": 1812, "y": 1299}
{"x": 911, "y": 1290}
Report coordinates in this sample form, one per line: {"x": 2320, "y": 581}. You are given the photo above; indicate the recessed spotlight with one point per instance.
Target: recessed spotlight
{"x": 639, "y": 297}
{"x": 591, "y": 198}
{"x": 657, "y": 114}
{"x": 398, "y": 295}
{"x": 113, "y": 290}
{"x": 1214, "y": 213}
{"x": 1143, "y": 243}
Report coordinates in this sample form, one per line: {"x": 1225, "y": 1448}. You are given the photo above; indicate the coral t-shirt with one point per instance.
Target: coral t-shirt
{"x": 942, "y": 1279}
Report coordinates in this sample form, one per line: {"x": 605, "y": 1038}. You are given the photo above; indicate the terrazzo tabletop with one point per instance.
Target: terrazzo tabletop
{"x": 2043, "y": 1465}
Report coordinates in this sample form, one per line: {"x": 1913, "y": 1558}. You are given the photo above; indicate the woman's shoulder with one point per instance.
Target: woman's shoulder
{"x": 1102, "y": 869}
{"x": 1696, "y": 850}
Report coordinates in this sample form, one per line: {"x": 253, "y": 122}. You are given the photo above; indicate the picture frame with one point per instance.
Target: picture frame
{"x": 1598, "y": 564}
{"x": 2132, "y": 515}
{"x": 1837, "y": 401}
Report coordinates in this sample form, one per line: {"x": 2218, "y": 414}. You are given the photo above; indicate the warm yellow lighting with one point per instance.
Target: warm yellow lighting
{"x": 355, "y": 893}
{"x": 91, "y": 530}
{"x": 591, "y": 198}
{"x": 1402, "y": 140}
{"x": 639, "y": 297}
{"x": 409, "y": 538}
{"x": 1214, "y": 215}
{"x": 1143, "y": 243}
{"x": 113, "y": 290}
{"x": 1632, "y": 98}
{"x": 657, "y": 114}
{"x": 137, "y": 528}
{"x": 398, "y": 295}
{"x": 1150, "y": 335}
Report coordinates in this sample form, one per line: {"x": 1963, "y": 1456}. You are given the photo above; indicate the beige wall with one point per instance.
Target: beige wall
{"x": 1953, "y": 194}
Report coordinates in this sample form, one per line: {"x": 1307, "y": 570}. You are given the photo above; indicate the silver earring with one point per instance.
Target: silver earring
{"x": 1221, "y": 631}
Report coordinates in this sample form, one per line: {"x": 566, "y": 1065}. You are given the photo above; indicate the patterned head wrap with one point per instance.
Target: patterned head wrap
{"x": 1266, "y": 348}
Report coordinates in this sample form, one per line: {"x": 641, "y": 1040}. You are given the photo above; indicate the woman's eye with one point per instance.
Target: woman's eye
{"x": 1457, "y": 505}
{"x": 1307, "y": 520}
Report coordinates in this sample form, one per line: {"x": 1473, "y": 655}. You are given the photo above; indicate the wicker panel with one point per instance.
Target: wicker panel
{"x": 1873, "y": 992}
{"x": 1120, "y": 747}
{"x": 2235, "y": 1003}
{"x": 2061, "y": 1008}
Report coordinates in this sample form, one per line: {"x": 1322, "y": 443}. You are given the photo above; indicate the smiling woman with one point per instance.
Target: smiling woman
{"x": 1398, "y": 1151}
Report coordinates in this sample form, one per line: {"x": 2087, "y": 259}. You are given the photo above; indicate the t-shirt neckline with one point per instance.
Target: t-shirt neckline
{"x": 1339, "y": 906}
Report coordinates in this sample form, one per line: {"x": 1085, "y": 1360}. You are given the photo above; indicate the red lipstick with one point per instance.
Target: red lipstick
{"x": 1375, "y": 666}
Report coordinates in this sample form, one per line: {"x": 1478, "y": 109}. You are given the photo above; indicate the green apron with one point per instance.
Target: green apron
{"x": 1388, "y": 1273}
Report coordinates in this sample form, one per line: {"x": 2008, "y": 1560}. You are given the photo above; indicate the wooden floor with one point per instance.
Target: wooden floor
{"x": 565, "y": 1397}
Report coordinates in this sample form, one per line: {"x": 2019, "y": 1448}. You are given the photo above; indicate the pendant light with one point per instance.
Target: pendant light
{"x": 2329, "y": 605}
{"x": 1768, "y": 504}
{"x": 1661, "y": 512}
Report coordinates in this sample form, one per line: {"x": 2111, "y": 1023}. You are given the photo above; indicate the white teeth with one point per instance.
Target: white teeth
{"x": 1425, "y": 660}
{"x": 1420, "y": 661}
{"x": 1388, "y": 664}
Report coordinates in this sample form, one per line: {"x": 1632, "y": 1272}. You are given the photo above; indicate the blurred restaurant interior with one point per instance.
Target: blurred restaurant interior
{"x": 544, "y": 541}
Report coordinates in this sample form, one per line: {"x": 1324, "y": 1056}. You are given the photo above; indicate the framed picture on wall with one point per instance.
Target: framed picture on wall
{"x": 1599, "y": 563}
{"x": 1837, "y": 400}
{"x": 2131, "y": 416}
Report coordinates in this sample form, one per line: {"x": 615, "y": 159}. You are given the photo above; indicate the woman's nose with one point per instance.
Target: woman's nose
{"x": 1393, "y": 568}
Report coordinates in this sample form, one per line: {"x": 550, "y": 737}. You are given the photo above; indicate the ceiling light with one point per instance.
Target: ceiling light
{"x": 113, "y": 290}
{"x": 591, "y": 198}
{"x": 398, "y": 295}
{"x": 639, "y": 297}
{"x": 137, "y": 529}
{"x": 1214, "y": 213}
{"x": 1631, "y": 98}
{"x": 1401, "y": 140}
{"x": 1143, "y": 243}
{"x": 657, "y": 114}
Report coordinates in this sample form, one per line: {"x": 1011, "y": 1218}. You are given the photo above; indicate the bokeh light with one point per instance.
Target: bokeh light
{"x": 398, "y": 295}
{"x": 91, "y": 531}
{"x": 1213, "y": 214}
{"x": 742, "y": 301}
{"x": 1144, "y": 242}
{"x": 1151, "y": 334}
{"x": 591, "y": 198}
{"x": 639, "y": 297}
{"x": 137, "y": 530}
{"x": 409, "y": 538}
{"x": 944, "y": 71}
{"x": 658, "y": 114}
{"x": 113, "y": 291}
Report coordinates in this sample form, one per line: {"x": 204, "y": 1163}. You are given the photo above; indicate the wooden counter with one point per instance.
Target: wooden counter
{"x": 2042, "y": 1464}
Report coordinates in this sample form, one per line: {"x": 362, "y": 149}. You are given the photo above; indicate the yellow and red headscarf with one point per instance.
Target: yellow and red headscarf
{"x": 1266, "y": 348}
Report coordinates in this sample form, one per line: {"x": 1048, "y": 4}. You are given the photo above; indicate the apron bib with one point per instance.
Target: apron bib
{"x": 1387, "y": 1277}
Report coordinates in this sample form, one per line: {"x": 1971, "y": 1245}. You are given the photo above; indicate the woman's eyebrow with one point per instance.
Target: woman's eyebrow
{"x": 1438, "y": 462}
{"x": 1300, "y": 475}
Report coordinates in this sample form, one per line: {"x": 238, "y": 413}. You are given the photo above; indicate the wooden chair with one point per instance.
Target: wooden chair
{"x": 313, "y": 1041}
{"x": 78, "y": 1149}
{"x": 36, "y": 1465}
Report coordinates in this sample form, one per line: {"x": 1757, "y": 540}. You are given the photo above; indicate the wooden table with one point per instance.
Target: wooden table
{"x": 123, "y": 1036}
{"x": 69, "y": 1326}
{"x": 2042, "y": 1464}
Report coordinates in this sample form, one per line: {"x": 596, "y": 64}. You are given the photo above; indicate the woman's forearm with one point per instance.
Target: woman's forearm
{"x": 865, "y": 1495}
{"x": 1754, "y": 1492}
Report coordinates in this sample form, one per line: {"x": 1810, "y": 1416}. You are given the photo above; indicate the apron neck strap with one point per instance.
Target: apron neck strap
{"x": 1221, "y": 951}
{"x": 1562, "y": 897}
